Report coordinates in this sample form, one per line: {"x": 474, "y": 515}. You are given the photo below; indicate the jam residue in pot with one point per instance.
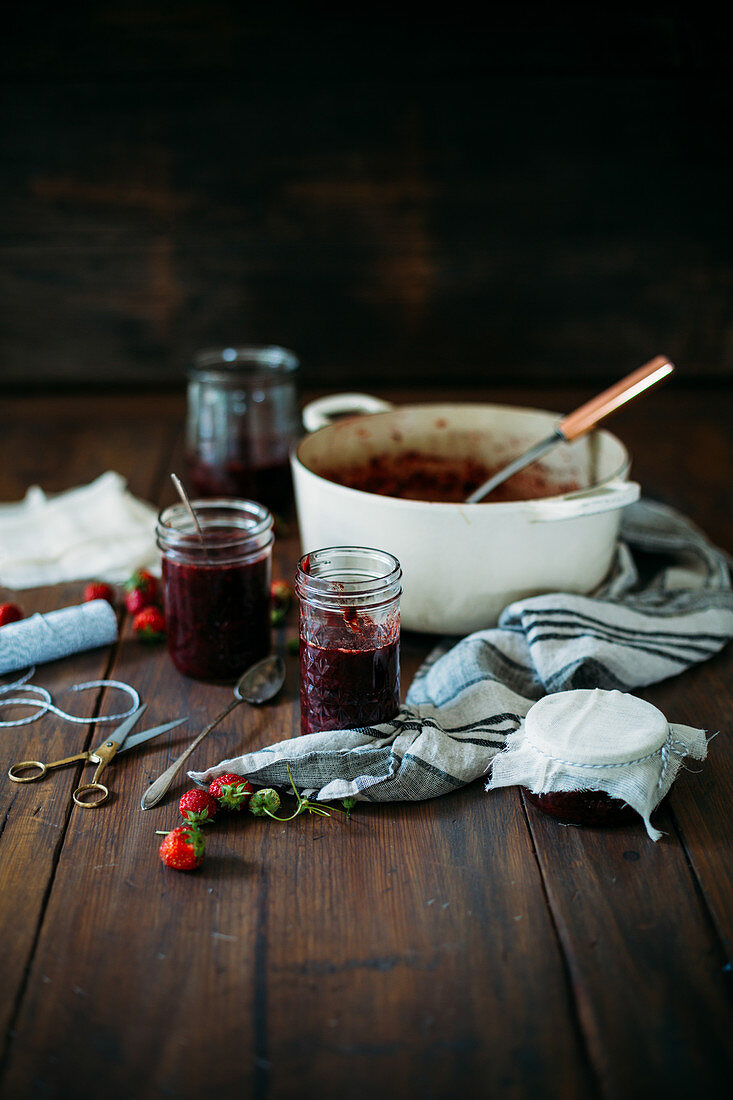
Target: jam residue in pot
{"x": 413, "y": 475}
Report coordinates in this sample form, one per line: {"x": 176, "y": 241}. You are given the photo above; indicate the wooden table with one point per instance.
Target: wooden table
{"x": 466, "y": 946}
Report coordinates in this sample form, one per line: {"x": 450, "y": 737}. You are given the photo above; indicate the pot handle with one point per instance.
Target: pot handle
{"x": 325, "y": 410}
{"x": 614, "y": 494}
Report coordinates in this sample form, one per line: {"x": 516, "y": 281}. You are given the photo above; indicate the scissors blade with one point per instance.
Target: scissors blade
{"x": 145, "y": 735}
{"x": 120, "y": 733}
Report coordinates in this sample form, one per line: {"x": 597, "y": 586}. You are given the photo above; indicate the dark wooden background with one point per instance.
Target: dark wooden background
{"x": 541, "y": 196}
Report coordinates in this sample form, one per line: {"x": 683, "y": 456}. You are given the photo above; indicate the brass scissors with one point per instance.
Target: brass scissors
{"x": 102, "y": 755}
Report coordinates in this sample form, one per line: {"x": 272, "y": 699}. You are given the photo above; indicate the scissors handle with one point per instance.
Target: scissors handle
{"x": 80, "y": 794}
{"x": 101, "y": 757}
{"x": 40, "y": 768}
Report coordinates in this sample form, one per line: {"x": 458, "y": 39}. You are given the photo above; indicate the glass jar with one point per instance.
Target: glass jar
{"x": 242, "y": 420}
{"x": 582, "y": 807}
{"x": 217, "y": 595}
{"x": 349, "y": 637}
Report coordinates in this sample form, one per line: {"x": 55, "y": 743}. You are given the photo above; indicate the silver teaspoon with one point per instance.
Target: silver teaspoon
{"x": 257, "y": 685}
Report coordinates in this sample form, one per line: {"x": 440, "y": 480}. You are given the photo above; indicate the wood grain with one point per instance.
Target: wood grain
{"x": 464, "y": 944}
{"x": 396, "y": 199}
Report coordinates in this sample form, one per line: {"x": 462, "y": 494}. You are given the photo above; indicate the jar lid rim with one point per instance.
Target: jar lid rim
{"x": 348, "y": 581}
{"x": 228, "y": 363}
{"x": 595, "y": 727}
{"x": 248, "y": 518}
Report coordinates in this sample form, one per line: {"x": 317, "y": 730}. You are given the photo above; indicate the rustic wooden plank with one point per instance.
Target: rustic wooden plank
{"x": 34, "y": 817}
{"x": 425, "y": 977}
{"x": 434, "y": 231}
{"x": 646, "y": 965}
{"x": 405, "y": 946}
{"x": 137, "y": 316}
{"x": 627, "y": 910}
{"x": 700, "y": 801}
{"x": 372, "y": 957}
{"x": 363, "y": 968}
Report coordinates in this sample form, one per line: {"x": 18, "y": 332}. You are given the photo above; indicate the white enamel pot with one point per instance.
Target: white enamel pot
{"x": 463, "y": 563}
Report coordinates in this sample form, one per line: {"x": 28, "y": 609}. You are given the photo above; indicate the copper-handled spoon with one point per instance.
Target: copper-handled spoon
{"x": 577, "y": 423}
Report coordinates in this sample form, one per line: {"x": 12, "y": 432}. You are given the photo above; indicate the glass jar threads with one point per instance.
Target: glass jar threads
{"x": 216, "y": 592}
{"x": 242, "y": 420}
{"x": 349, "y": 600}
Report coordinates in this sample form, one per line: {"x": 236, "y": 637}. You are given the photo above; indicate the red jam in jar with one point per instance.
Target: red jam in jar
{"x": 240, "y": 477}
{"x": 349, "y": 638}
{"x": 575, "y": 737}
{"x": 242, "y": 420}
{"x": 217, "y": 595}
{"x": 583, "y": 807}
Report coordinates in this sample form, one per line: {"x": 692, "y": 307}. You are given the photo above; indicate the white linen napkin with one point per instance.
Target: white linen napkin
{"x": 98, "y": 531}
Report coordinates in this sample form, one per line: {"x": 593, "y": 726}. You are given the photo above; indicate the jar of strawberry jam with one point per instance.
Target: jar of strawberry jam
{"x": 216, "y": 592}
{"x": 349, "y": 637}
{"x": 242, "y": 420}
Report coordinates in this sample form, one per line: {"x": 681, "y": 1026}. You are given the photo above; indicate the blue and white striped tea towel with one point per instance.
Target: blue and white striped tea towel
{"x": 667, "y": 605}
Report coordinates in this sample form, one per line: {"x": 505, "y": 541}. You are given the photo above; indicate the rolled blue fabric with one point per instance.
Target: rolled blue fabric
{"x": 41, "y": 638}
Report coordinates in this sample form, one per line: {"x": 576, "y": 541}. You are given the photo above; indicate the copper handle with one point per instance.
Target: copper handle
{"x": 583, "y": 419}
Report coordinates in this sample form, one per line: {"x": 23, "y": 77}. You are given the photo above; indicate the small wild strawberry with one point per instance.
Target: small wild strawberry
{"x": 281, "y": 596}
{"x": 198, "y": 806}
{"x": 183, "y": 848}
{"x": 10, "y": 613}
{"x": 97, "y": 590}
{"x": 265, "y": 801}
{"x": 230, "y": 790}
{"x": 149, "y": 624}
{"x": 142, "y": 591}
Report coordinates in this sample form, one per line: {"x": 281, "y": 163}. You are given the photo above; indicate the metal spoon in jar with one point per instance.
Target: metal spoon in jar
{"x": 582, "y": 420}
{"x": 259, "y": 684}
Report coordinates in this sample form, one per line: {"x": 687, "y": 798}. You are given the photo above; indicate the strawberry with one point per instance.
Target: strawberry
{"x": 136, "y": 601}
{"x": 281, "y": 596}
{"x": 183, "y": 848}
{"x": 198, "y": 806}
{"x": 230, "y": 790}
{"x": 149, "y": 624}
{"x": 10, "y": 613}
{"x": 97, "y": 590}
{"x": 142, "y": 591}
{"x": 265, "y": 801}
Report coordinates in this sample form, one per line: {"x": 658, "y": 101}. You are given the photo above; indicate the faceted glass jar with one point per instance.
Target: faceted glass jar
{"x": 242, "y": 421}
{"x": 217, "y": 595}
{"x": 349, "y": 637}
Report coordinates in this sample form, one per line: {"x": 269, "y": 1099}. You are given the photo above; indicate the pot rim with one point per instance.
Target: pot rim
{"x": 620, "y": 473}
